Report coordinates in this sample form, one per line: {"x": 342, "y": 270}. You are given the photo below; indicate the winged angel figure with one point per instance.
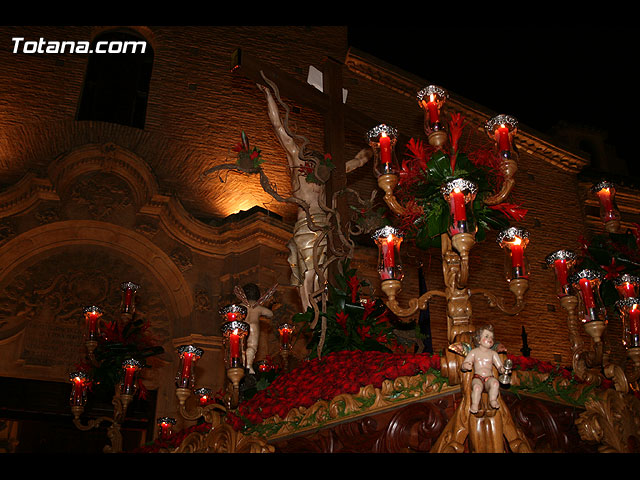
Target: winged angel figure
{"x": 249, "y": 296}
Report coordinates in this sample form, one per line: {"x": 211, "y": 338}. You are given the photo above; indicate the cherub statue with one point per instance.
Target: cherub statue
{"x": 249, "y": 296}
{"x": 481, "y": 361}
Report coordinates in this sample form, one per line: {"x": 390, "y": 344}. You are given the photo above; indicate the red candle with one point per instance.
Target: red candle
{"x": 517, "y": 254}
{"x": 234, "y": 345}
{"x": 285, "y": 336}
{"x": 129, "y": 372}
{"x": 503, "y": 138}
{"x": 606, "y": 202}
{"x": 432, "y": 108}
{"x": 560, "y": 266}
{"x": 587, "y": 293}
{"x": 457, "y": 205}
{"x": 385, "y": 148}
{"x": 626, "y": 290}
{"x": 165, "y": 429}
{"x": 127, "y": 298}
{"x": 77, "y": 393}
{"x": 187, "y": 361}
{"x": 634, "y": 320}
{"x": 92, "y": 323}
{"x": 388, "y": 252}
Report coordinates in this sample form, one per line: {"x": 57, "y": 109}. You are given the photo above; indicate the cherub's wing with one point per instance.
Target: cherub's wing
{"x": 461, "y": 348}
{"x": 240, "y": 294}
{"x": 268, "y": 294}
{"x": 498, "y": 347}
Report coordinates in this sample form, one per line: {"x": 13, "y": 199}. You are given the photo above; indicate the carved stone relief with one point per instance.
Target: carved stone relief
{"x": 103, "y": 195}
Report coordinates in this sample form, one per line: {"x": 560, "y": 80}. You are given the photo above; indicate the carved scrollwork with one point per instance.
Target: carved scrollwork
{"x": 612, "y": 421}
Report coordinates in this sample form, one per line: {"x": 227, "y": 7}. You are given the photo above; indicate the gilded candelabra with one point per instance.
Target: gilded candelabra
{"x": 457, "y": 242}
{"x": 124, "y": 392}
{"x": 578, "y": 292}
{"x": 489, "y": 430}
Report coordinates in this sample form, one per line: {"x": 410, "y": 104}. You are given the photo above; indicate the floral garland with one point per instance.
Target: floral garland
{"x": 425, "y": 169}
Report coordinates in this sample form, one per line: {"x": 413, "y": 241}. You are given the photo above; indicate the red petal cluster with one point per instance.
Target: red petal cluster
{"x": 325, "y": 378}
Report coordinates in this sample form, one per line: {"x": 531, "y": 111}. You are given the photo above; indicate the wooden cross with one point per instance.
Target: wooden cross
{"x": 328, "y": 102}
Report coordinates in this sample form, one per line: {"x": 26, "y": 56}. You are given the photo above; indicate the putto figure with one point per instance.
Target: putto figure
{"x": 250, "y": 297}
{"x": 481, "y": 361}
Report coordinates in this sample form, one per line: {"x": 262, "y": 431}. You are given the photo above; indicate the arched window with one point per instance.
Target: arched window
{"x": 116, "y": 85}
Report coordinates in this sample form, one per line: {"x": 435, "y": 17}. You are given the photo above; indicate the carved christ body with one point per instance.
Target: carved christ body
{"x": 301, "y": 246}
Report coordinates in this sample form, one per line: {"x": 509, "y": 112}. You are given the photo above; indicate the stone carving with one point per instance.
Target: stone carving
{"x": 102, "y": 196}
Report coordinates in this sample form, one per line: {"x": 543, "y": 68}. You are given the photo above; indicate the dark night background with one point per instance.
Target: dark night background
{"x": 578, "y": 73}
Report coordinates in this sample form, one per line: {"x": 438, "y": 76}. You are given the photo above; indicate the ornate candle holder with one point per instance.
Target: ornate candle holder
{"x": 185, "y": 376}
{"x": 609, "y": 213}
{"x": 92, "y": 317}
{"x": 165, "y": 426}
{"x": 431, "y": 99}
{"x": 627, "y": 285}
{"x": 128, "y": 304}
{"x": 285, "y": 335}
{"x": 382, "y": 140}
{"x": 514, "y": 242}
{"x": 234, "y": 339}
{"x": 502, "y": 129}
{"x": 562, "y": 262}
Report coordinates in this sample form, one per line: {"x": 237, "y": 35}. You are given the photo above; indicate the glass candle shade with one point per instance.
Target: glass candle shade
{"x": 460, "y": 194}
{"x": 79, "y": 387}
{"x": 606, "y": 193}
{"x": 233, "y": 312}
{"x": 501, "y": 129}
{"x": 285, "y": 334}
{"x": 131, "y": 367}
{"x": 389, "y": 240}
{"x": 382, "y": 140}
{"x": 514, "y": 242}
{"x": 165, "y": 427}
{"x": 189, "y": 355}
{"x": 630, "y": 313}
{"x": 92, "y": 316}
{"x": 562, "y": 262}
{"x": 234, "y": 339}
{"x": 204, "y": 395}
{"x": 128, "y": 304}
{"x": 431, "y": 99}
{"x": 627, "y": 285}
{"x": 587, "y": 285}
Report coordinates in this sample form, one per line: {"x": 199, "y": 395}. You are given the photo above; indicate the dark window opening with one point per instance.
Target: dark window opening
{"x": 116, "y": 86}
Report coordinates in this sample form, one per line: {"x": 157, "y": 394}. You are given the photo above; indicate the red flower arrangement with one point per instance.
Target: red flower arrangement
{"x": 328, "y": 377}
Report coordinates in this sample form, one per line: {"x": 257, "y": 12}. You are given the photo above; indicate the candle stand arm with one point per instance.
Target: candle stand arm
{"x": 518, "y": 287}
{"x": 211, "y": 413}
{"x": 120, "y": 403}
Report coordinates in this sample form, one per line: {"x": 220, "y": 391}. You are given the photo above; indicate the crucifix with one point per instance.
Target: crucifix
{"x": 336, "y": 115}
